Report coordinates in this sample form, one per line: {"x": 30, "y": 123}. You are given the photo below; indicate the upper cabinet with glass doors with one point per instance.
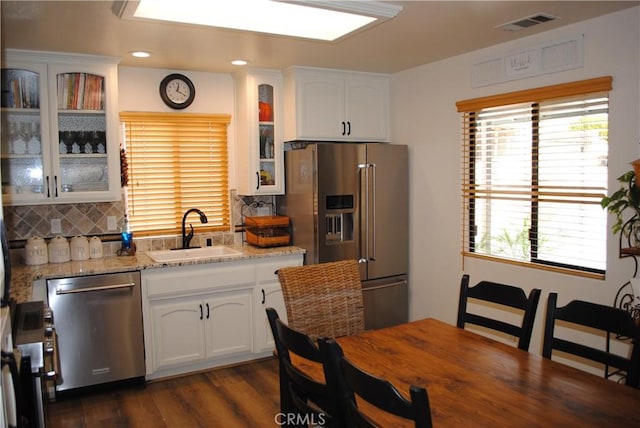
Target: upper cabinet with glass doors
{"x": 59, "y": 128}
{"x": 260, "y": 144}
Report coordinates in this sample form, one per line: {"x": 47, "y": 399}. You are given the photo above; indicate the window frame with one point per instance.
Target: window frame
{"x": 209, "y": 132}
{"x": 533, "y": 97}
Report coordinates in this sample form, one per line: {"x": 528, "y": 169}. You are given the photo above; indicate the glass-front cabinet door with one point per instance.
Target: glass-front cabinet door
{"x": 59, "y": 129}
{"x": 24, "y": 125}
{"x": 260, "y": 144}
{"x": 81, "y": 123}
{"x": 267, "y": 135}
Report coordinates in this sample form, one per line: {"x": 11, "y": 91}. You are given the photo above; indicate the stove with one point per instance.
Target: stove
{"x": 35, "y": 338}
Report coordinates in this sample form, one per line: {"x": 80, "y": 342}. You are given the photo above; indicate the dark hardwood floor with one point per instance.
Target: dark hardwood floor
{"x": 245, "y": 395}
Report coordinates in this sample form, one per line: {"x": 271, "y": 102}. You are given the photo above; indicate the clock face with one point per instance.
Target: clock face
{"x": 177, "y": 91}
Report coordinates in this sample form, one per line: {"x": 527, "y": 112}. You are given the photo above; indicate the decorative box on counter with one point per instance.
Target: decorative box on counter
{"x": 267, "y": 231}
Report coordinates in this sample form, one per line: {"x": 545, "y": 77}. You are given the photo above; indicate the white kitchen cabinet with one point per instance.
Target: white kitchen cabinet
{"x": 336, "y": 105}
{"x": 197, "y": 328}
{"x": 259, "y": 115}
{"x": 268, "y": 294}
{"x": 205, "y": 315}
{"x": 59, "y": 128}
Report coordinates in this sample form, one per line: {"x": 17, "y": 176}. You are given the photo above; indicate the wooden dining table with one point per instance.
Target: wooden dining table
{"x": 475, "y": 381}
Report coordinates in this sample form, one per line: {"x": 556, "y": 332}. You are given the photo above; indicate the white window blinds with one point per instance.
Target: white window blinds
{"x": 176, "y": 162}
{"x": 534, "y": 172}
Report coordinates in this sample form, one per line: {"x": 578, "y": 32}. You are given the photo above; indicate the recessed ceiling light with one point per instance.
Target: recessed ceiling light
{"x": 239, "y": 62}
{"x": 140, "y": 54}
{"x": 316, "y": 19}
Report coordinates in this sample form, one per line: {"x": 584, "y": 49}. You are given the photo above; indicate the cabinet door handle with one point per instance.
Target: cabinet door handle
{"x": 201, "y": 313}
{"x": 264, "y": 299}
{"x": 55, "y": 183}
{"x": 257, "y": 180}
{"x": 48, "y": 188}
{"x": 348, "y": 128}
{"x": 344, "y": 128}
{"x": 207, "y": 311}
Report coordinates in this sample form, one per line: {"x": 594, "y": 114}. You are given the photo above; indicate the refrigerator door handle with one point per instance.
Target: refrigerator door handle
{"x": 369, "y": 214}
{"x": 373, "y": 212}
{"x": 363, "y": 169}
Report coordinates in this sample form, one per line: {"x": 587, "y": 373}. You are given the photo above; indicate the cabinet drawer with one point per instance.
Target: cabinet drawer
{"x": 197, "y": 279}
{"x": 266, "y": 270}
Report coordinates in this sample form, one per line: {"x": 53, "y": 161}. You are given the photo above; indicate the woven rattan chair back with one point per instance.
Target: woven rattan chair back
{"x": 324, "y": 300}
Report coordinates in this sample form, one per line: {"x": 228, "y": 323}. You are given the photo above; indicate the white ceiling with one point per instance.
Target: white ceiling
{"x": 425, "y": 31}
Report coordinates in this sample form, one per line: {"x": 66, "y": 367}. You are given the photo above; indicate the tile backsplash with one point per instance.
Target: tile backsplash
{"x": 90, "y": 219}
{"x": 75, "y": 219}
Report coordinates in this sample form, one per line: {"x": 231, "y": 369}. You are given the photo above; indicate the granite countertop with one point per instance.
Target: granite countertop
{"x": 23, "y": 276}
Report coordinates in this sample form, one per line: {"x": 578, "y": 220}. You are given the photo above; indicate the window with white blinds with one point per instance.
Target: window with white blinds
{"x": 176, "y": 162}
{"x": 534, "y": 172}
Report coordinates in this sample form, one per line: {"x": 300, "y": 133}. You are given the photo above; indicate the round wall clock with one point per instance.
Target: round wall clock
{"x": 177, "y": 91}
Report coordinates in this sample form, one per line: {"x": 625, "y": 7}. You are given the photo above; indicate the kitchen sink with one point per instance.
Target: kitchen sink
{"x": 192, "y": 253}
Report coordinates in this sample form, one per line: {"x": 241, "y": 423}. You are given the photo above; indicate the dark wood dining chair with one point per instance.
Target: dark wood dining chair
{"x": 600, "y": 317}
{"x": 300, "y": 394}
{"x": 505, "y": 295}
{"x": 324, "y": 300}
{"x": 349, "y": 383}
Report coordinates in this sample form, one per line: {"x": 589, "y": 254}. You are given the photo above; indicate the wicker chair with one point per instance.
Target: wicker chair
{"x": 324, "y": 300}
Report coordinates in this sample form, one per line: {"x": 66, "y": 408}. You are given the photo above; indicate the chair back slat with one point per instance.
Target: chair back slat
{"x": 501, "y": 294}
{"x": 300, "y": 394}
{"x": 608, "y": 320}
{"x": 346, "y": 381}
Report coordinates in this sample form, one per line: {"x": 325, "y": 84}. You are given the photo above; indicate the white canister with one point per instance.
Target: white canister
{"x": 59, "y": 251}
{"x": 35, "y": 251}
{"x": 95, "y": 247}
{"x": 79, "y": 248}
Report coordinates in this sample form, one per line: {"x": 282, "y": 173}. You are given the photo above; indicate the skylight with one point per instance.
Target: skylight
{"x": 322, "y": 20}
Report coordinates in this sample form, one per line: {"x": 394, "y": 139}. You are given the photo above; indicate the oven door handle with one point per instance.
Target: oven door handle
{"x": 51, "y": 349}
{"x": 11, "y": 395}
{"x": 91, "y": 289}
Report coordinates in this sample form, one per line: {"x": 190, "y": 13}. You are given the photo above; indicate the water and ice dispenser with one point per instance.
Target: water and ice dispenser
{"x": 339, "y": 211}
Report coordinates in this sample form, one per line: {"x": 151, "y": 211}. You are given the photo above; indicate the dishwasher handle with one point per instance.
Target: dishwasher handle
{"x": 92, "y": 289}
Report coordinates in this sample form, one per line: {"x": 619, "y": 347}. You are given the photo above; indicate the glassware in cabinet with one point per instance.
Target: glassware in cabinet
{"x": 23, "y": 158}
{"x": 82, "y": 132}
{"x": 71, "y": 104}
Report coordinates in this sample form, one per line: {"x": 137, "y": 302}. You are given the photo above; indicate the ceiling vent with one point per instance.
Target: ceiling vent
{"x": 526, "y": 22}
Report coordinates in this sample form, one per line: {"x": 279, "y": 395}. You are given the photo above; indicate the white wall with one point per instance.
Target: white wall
{"x": 424, "y": 116}
{"x": 138, "y": 90}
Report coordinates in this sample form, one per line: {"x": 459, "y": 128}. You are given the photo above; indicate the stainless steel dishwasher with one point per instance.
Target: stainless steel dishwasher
{"x": 98, "y": 321}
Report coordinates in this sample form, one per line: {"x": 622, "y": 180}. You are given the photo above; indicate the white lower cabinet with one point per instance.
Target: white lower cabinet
{"x": 194, "y": 328}
{"x": 206, "y": 315}
{"x": 268, "y": 293}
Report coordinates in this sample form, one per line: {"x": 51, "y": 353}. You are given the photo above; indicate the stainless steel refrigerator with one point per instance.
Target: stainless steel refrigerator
{"x": 350, "y": 201}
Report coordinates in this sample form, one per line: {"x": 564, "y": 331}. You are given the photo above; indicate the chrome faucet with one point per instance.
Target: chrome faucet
{"x": 186, "y": 238}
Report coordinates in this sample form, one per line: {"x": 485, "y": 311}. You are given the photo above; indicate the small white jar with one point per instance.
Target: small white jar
{"x": 35, "y": 251}
{"x": 79, "y": 248}
{"x": 95, "y": 247}
{"x": 59, "y": 251}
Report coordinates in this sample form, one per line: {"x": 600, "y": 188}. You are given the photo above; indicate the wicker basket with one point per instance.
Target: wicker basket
{"x": 267, "y": 231}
